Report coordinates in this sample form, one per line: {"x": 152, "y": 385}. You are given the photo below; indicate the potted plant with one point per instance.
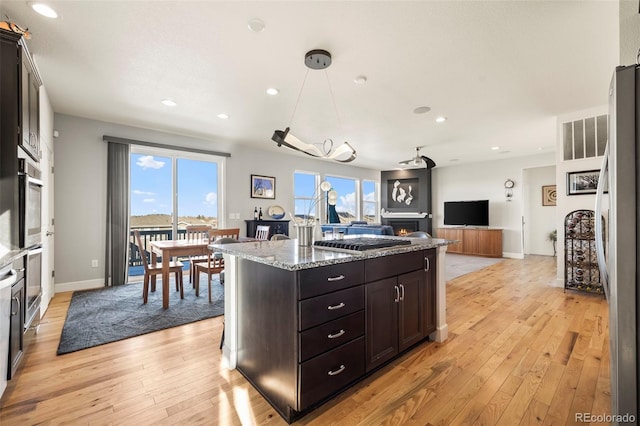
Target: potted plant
{"x": 553, "y": 237}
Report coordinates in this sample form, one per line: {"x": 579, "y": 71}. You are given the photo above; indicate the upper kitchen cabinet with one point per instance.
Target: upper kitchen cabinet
{"x": 30, "y": 104}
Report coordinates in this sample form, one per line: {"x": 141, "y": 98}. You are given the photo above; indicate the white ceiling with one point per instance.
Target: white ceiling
{"x": 500, "y": 71}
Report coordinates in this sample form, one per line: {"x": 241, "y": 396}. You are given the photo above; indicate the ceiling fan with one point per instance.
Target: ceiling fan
{"x": 419, "y": 160}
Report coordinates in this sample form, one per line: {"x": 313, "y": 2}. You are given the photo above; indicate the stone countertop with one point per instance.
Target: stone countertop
{"x": 286, "y": 254}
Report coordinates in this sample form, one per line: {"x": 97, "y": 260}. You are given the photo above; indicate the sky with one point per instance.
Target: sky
{"x": 304, "y": 185}
{"x": 151, "y": 186}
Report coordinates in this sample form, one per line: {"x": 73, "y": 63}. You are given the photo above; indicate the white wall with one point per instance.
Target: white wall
{"x": 629, "y": 31}
{"x": 80, "y": 185}
{"x": 566, "y": 203}
{"x": 539, "y": 220}
{"x": 485, "y": 181}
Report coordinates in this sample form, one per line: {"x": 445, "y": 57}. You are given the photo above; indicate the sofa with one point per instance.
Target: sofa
{"x": 358, "y": 228}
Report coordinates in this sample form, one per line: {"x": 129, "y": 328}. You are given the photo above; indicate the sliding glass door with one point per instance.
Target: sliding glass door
{"x": 170, "y": 190}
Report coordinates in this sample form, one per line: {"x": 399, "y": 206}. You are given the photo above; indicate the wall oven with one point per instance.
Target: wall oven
{"x": 33, "y": 290}
{"x": 30, "y": 216}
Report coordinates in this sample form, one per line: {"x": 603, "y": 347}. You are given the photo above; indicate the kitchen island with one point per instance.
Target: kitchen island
{"x": 304, "y": 323}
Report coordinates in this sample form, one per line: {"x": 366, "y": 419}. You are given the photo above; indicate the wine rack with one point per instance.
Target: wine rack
{"x": 581, "y": 263}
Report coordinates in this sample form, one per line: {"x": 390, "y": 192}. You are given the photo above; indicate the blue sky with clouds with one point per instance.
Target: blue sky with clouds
{"x": 151, "y": 187}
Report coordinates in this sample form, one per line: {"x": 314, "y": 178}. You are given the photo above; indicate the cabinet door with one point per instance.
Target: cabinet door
{"x": 382, "y": 321}
{"x": 24, "y": 118}
{"x": 34, "y": 115}
{"x": 411, "y": 307}
{"x": 430, "y": 292}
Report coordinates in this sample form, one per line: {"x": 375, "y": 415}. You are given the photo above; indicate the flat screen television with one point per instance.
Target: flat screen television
{"x": 469, "y": 213}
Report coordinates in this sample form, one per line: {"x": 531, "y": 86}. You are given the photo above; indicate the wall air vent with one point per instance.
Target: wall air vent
{"x": 585, "y": 138}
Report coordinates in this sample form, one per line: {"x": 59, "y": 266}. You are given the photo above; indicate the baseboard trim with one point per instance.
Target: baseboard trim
{"x": 513, "y": 255}
{"x": 79, "y": 285}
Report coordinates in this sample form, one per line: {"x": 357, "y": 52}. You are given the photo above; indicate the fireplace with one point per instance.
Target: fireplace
{"x": 406, "y": 194}
{"x": 403, "y": 227}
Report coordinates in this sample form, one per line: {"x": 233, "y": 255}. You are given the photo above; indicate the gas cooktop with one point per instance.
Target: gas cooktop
{"x": 360, "y": 244}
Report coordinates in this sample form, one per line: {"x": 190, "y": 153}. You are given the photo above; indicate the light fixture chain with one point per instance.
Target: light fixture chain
{"x": 333, "y": 99}
{"x": 299, "y": 94}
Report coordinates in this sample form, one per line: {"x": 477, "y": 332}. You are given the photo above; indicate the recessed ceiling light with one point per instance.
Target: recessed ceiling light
{"x": 422, "y": 110}
{"x": 361, "y": 79}
{"x": 222, "y": 116}
{"x": 169, "y": 102}
{"x": 495, "y": 148}
{"x": 272, "y": 91}
{"x": 44, "y": 10}
{"x": 256, "y": 25}
{"x": 441, "y": 119}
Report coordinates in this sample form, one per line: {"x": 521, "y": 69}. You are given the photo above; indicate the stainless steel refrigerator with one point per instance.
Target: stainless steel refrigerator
{"x": 617, "y": 239}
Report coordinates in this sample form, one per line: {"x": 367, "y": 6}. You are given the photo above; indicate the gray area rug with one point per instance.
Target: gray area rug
{"x": 460, "y": 264}
{"x": 96, "y": 317}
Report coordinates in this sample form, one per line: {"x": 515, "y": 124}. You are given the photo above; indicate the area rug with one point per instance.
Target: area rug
{"x": 96, "y": 317}
{"x": 460, "y": 264}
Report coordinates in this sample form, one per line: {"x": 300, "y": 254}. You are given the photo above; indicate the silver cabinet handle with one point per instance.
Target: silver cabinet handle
{"x": 397, "y": 299}
{"x": 334, "y": 307}
{"x": 427, "y": 264}
{"x": 18, "y": 303}
{"x": 338, "y": 334}
{"x": 401, "y": 292}
{"x": 338, "y": 278}
{"x": 338, "y": 371}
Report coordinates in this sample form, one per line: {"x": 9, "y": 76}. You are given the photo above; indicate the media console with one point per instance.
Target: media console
{"x": 473, "y": 241}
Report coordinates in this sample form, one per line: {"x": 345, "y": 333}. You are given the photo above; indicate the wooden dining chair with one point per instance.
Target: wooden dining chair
{"x": 262, "y": 232}
{"x": 151, "y": 270}
{"x": 214, "y": 263}
{"x": 196, "y": 233}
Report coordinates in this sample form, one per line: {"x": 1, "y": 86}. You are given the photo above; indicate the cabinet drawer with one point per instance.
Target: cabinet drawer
{"x": 328, "y": 307}
{"x": 330, "y": 335}
{"x": 317, "y": 281}
{"x": 328, "y": 373}
{"x": 389, "y": 266}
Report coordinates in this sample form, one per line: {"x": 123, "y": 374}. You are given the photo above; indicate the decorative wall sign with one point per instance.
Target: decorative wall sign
{"x": 402, "y": 192}
{"x": 549, "y": 195}
{"x": 263, "y": 187}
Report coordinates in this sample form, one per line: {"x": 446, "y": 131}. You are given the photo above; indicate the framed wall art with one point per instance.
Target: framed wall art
{"x": 549, "y": 195}
{"x": 263, "y": 187}
{"x": 585, "y": 182}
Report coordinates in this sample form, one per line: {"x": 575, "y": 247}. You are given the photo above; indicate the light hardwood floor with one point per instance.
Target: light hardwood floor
{"x": 519, "y": 352}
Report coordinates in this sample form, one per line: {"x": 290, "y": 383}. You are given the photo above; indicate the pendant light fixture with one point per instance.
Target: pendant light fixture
{"x": 316, "y": 60}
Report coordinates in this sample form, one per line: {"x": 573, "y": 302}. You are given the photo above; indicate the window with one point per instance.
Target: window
{"x": 369, "y": 201}
{"x": 304, "y": 196}
{"x": 347, "y": 204}
{"x": 170, "y": 190}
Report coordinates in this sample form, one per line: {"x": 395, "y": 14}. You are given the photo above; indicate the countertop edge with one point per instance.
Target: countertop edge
{"x": 250, "y": 250}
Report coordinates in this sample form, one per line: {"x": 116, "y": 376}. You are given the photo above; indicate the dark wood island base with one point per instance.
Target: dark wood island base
{"x": 304, "y": 336}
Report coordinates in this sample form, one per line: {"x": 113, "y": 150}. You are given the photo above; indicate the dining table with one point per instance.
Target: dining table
{"x": 170, "y": 248}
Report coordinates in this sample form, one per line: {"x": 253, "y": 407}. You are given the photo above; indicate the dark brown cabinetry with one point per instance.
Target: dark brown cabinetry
{"x": 30, "y": 122}
{"x": 9, "y": 138}
{"x": 395, "y": 306}
{"x": 275, "y": 227}
{"x": 430, "y": 294}
{"x": 314, "y": 332}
